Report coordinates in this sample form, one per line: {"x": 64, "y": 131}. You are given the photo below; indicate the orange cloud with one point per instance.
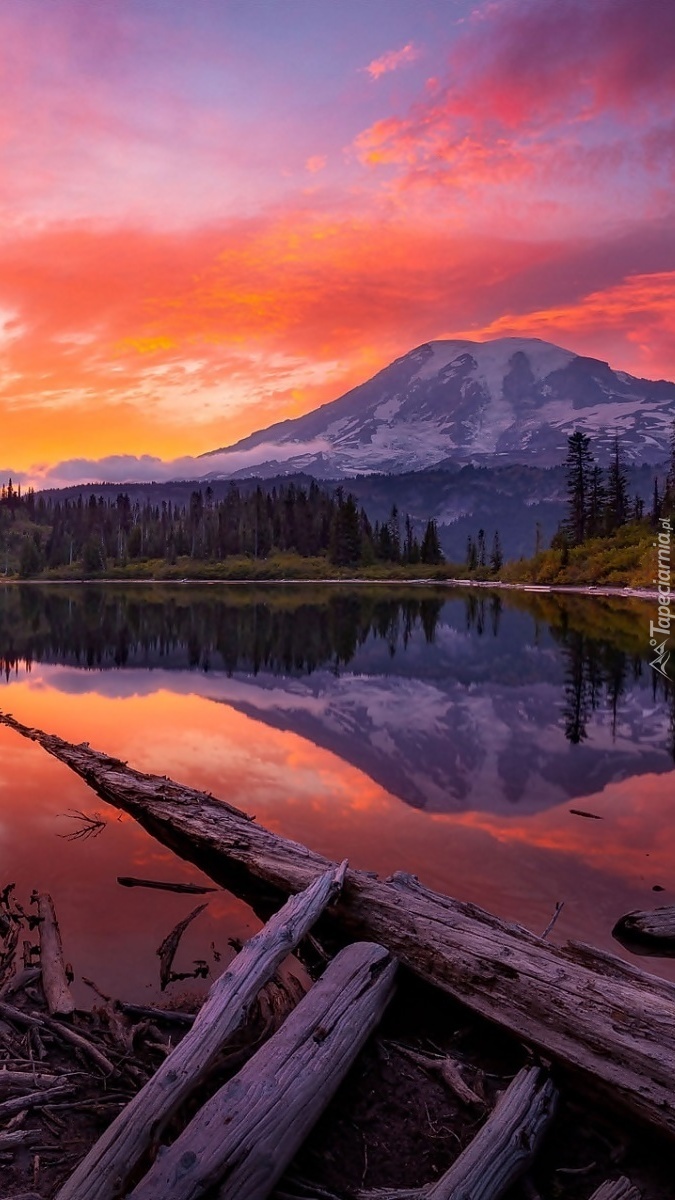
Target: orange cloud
{"x": 316, "y": 163}
{"x": 216, "y": 331}
{"x": 636, "y": 316}
{"x": 170, "y": 343}
{"x": 392, "y": 60}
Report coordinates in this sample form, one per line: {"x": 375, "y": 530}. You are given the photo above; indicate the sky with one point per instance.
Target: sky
{"x": 219, "y": 215}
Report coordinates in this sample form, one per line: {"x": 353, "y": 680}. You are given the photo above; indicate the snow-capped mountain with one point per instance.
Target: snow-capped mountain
{"x": 511, "y": 400}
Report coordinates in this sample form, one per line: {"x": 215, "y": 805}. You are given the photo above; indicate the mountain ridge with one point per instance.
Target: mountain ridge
{"x": 508, "y": 400}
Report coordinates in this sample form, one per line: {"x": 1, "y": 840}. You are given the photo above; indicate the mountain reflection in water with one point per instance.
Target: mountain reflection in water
{"x": 445, "y": 732}
{"x": 448, "y": 703}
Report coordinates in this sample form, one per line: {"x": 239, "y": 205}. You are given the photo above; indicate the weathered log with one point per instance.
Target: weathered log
{"x": 654, "y": 930}
{"x": 17, "y": 1016}
{"x": 243, "y": 1138}
{"x": 584, "y": 1008}
{"x": 507, "y": 1143}
{"x": 620, "y": 1189}
{"x": 499, "y": 1154}
{"x": 114, "y": 1158}
{"x": 192, "y": 889}
{"x": 54, "y": 982}
{"x": 34, "y": 1099}
{"x": 18, "y": 1137}
{"x": 168, "y": 948}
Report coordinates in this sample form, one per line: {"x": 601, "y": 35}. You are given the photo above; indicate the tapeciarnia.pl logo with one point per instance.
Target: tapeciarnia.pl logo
{"x": 661, "y": 627}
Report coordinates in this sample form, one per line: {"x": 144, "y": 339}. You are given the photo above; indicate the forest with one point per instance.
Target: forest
{"x": 39, "y": 533}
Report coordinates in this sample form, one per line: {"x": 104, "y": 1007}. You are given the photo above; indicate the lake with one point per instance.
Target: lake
{"x": 454, "y": 733}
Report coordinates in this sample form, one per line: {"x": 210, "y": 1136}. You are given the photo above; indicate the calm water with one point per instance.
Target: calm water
{"x": 442, "y": 732}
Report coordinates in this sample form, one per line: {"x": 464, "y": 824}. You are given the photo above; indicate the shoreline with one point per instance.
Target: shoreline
{"x": 626, "y": 593}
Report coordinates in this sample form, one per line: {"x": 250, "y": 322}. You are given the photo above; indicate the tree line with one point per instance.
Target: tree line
{"x": 312, "y": 521}
{"x": 477, "y": 552}
{"x": 598, "y": 503}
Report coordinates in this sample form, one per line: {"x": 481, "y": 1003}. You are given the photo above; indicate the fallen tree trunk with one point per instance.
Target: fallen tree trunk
{"x": 239, "y": 1144}
{"x": 505, "y": 1146}
{"x": 652, "y": 930}
{"x": 499, "y": 1154}
{"x": 584, "y": 1008}
{"x": 114, "y": 1158}
{"x": 55, "y": 984}
{"x": 622, "y": 1189}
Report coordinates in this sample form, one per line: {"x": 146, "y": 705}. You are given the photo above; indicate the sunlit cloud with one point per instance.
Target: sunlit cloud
{"x": 316, "y": 163}
{"x": 638, "y": 311}
{"x": 556, "y": 98}
{"x": 392, "y": 60}
{"x": 202, "y": 235}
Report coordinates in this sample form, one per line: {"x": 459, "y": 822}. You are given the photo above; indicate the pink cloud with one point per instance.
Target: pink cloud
{"x": 556, "y": 94}
{"x": 316, "y": 163}
{"x": 392, "y": 60}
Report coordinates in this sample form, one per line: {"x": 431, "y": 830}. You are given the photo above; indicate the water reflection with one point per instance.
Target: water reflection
{"x": 467, "y": 702}
{"x": 98, "y": 627}
{"x": 442, "y": 733}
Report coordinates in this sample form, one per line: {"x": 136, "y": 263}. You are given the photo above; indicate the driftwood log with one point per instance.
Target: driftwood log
{"x": 500, "y": 1153}
{"x": 621, "y": 1189}
{"x": 102, "y": 1174}
{"x": 506, "y": 1145}
{"x": 54, "y": 980}
{"x": 652, "y": 930}
{"x": 585, "y": 1008}
{"x": 241, "y": 1141}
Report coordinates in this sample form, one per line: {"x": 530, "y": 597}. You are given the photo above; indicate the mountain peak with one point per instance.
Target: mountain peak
{"x": 505, "y": 400}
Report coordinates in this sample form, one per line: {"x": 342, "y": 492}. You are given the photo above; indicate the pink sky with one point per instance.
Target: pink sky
{"x": 220, "y": 215}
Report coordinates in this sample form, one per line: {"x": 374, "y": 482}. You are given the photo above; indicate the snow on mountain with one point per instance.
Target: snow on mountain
{"x": 497, "y": 402}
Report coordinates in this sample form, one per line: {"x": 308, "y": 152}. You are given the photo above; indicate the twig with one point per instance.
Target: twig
{"x": 83, "y": 1043}
{"x": 560, "y": 904}
{"x": 92, "y": 825}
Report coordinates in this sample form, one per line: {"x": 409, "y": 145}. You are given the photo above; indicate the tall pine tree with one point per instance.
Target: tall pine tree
{"x": 496, "y": 554}
{"x": 431, "y": 547}
{"x": 668, "y": 504}
{"x": 579, "y": 469}
{"x": 617, "y": 490}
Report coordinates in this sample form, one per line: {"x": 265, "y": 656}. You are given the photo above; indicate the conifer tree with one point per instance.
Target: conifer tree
{"x": 656, "y": 502}
{"x": 431, "y": 546}
{"x": 617, "y": 490}
{"x": 597, "y": 502}
{"x": 496, "y": 554}
{"x": 669, "y": 490}
{"x": 579, "y": 467}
